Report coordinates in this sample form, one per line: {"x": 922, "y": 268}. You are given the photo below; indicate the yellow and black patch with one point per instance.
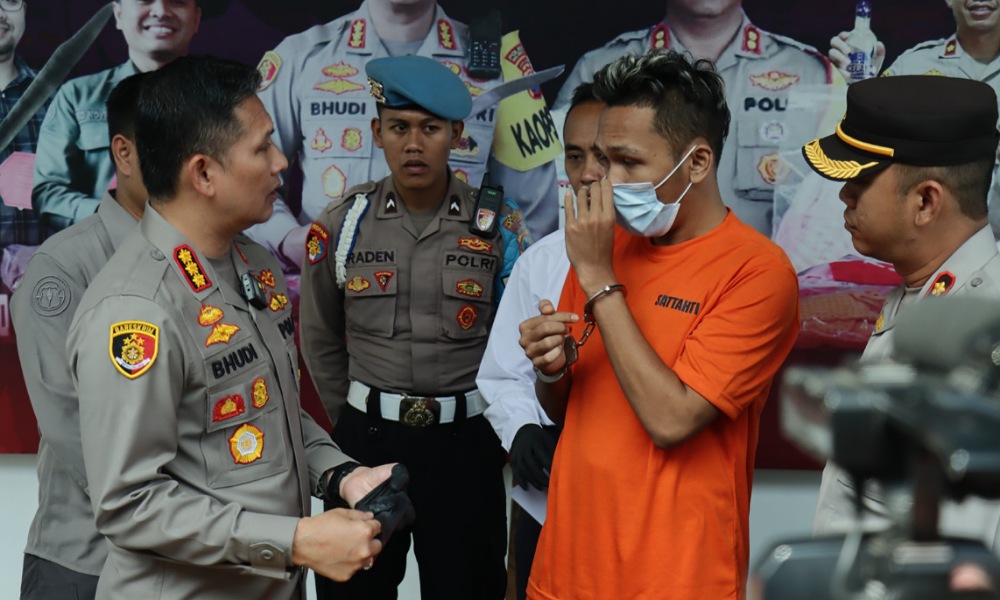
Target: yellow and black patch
{"x": 246, "y": 444}
{"x": 942, "y": 284}
{"x": 133, "y": 347}
{"x": 193, "y": 272}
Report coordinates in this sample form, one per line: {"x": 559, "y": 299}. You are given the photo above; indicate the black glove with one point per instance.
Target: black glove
{"x": 531, "y": 455}
{"x": 389, "y": 503}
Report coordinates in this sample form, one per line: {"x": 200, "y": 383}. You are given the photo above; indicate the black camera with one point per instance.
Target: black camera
{"x": 918, "y": 432}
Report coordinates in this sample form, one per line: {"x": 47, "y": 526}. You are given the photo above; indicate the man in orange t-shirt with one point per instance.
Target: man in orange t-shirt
{"x": 689, "y": 318}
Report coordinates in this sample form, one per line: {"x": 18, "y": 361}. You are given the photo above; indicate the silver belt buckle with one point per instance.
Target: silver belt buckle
{"x": 419, "y": 412}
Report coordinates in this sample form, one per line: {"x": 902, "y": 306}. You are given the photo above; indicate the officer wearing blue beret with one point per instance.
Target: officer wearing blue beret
{"x": 399, "y": 287}
{"x": 916, "y": 155}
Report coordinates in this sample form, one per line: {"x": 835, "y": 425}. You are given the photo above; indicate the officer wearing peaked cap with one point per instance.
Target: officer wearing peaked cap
{"x": 399, "y": 288}
{"x": 916, "y": 156}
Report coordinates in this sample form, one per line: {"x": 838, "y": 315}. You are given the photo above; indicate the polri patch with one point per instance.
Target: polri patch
{"x": 133, "y": 347}
{"x": 268, "y": 67}
{"x": 246, "y": 444}
{"x": 51, "y": 296}
{"x": 317, "y": 243}
{"x": 229, "y": 407}
{"x": 221, "y": 334}
{"x": 260, "y": 396}
{"x": 193, "y": 272}
{"x": 467, "y": 316}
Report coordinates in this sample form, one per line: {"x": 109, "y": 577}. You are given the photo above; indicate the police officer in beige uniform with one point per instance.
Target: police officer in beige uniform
{"x": 199, "y": 458}
{"x": 315, "y": 89}
{"x": 65, "y": 553}
{"x": 916, "y": 154}
{"x": 399, "y": 288}
{"x": 759, "y": 68}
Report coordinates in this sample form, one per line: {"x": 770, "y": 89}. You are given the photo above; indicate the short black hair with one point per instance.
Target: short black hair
{"x": 689, "y": 97}
{"x": 189, "y": 107}
{"x": 581, "y": 94}
{"x": 968, "y": 182}
{"x": 122, "y": 106}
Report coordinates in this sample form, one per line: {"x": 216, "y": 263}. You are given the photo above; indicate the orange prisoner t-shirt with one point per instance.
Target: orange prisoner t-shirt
{"x": 628, "y": 520}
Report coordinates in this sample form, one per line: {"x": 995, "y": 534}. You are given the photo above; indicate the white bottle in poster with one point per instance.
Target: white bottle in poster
{"x": 862, "y": 43}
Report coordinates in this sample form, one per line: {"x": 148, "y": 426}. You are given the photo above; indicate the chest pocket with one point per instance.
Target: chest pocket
{"x": 758, "y": 167}
{"x": 245, "y": 432}
{"x": 94, "y": 136}
{"x": 370, "y": 298}
{"x": 337, "y": 127}
{"x": 467, "y": 294}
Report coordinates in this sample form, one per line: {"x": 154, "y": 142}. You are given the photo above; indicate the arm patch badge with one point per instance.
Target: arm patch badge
{"x": 316, "y": 243}
{"x": 268, "y": 67}
{"x": 133, "y": 347}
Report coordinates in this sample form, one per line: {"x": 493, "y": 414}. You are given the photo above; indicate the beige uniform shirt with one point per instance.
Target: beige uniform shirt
{"x": 199, "y": 457}
{"x": 973, "y": 270}
{"x": 42, "y": 309}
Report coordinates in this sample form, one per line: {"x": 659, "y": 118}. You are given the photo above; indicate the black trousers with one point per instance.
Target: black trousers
{"x": 45, "y": 580}
{"x": 526, "y": 533}
{"x": 456, "y": 485}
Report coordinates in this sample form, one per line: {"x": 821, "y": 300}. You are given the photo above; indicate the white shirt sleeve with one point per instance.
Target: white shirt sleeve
{"x": 506, "y": 379}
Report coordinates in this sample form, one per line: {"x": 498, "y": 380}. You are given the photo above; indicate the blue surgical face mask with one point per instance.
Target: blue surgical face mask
{"x": 640, "y": 212}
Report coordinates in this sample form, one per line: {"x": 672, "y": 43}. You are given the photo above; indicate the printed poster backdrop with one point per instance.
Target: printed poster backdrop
{"x": 837, "y": 313}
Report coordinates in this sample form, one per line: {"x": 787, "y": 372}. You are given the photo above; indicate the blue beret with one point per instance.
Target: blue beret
{"x": 407, "y": 81}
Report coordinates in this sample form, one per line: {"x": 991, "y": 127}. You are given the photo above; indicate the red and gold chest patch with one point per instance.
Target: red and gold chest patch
{"x": 278, "y": 302}
{"x": 228, "y": 407}
{"x": 221, "y": 334}
{"x": 209, "y": 315}
{"x": 266, "y": 277}
{"x": 193, "y": 272}
{"x": 316, "y": 243}
{"x": 475, "y": 244}
{"x": 774, "y": 80}
{"x": 246, "y": 444}
{"x": 358, "y": 284}
{"x": 133, "y": 347}
{"x": 260, "y": 396}
{"x": 382, "y": 278}
{"x": 446, "y": 35}
{"x": 467, "y": 316}
{"x": 469, "y": 287}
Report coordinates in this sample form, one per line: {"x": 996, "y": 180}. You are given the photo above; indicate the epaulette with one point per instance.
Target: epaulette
{"x": 631, "y": 36}
{"x": 362, "y": 188}
{"x": 807, "y": 49}
{"x": 928, "y": 45}
{"x": 317, "y": 35}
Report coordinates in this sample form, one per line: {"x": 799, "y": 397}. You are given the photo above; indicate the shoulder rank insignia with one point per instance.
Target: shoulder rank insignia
{"x": 229, "y": 407}
{"x": 268, "y": 67}
{"x": 246, "y": 444}
{"x": 209, "y": 315}
{"x": 221, "y": 334}
{"x": 260, "y": 396}
{"x": 467, "y": 316}
{"x": 316, "y": 243}
{"x": 357, "y": 33}
{"x": 751, "y": 39}
{"x": 382, "y": 278}
{"x": 133, "y": 347}
{"x": 880, "y": 323}
{"x": 951, "y": 47}
{"x": 194, "y": 273}
{"x": 475, "y": 244}
{"x": 942, "y": 285}
{"x": 659, "y": 38}
{"x": 446, "y": 37}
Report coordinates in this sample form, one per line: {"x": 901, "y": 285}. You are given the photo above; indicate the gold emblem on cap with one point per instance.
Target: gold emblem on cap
{"x": 377, "y": 91}
{"x": 837, "y": 169}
